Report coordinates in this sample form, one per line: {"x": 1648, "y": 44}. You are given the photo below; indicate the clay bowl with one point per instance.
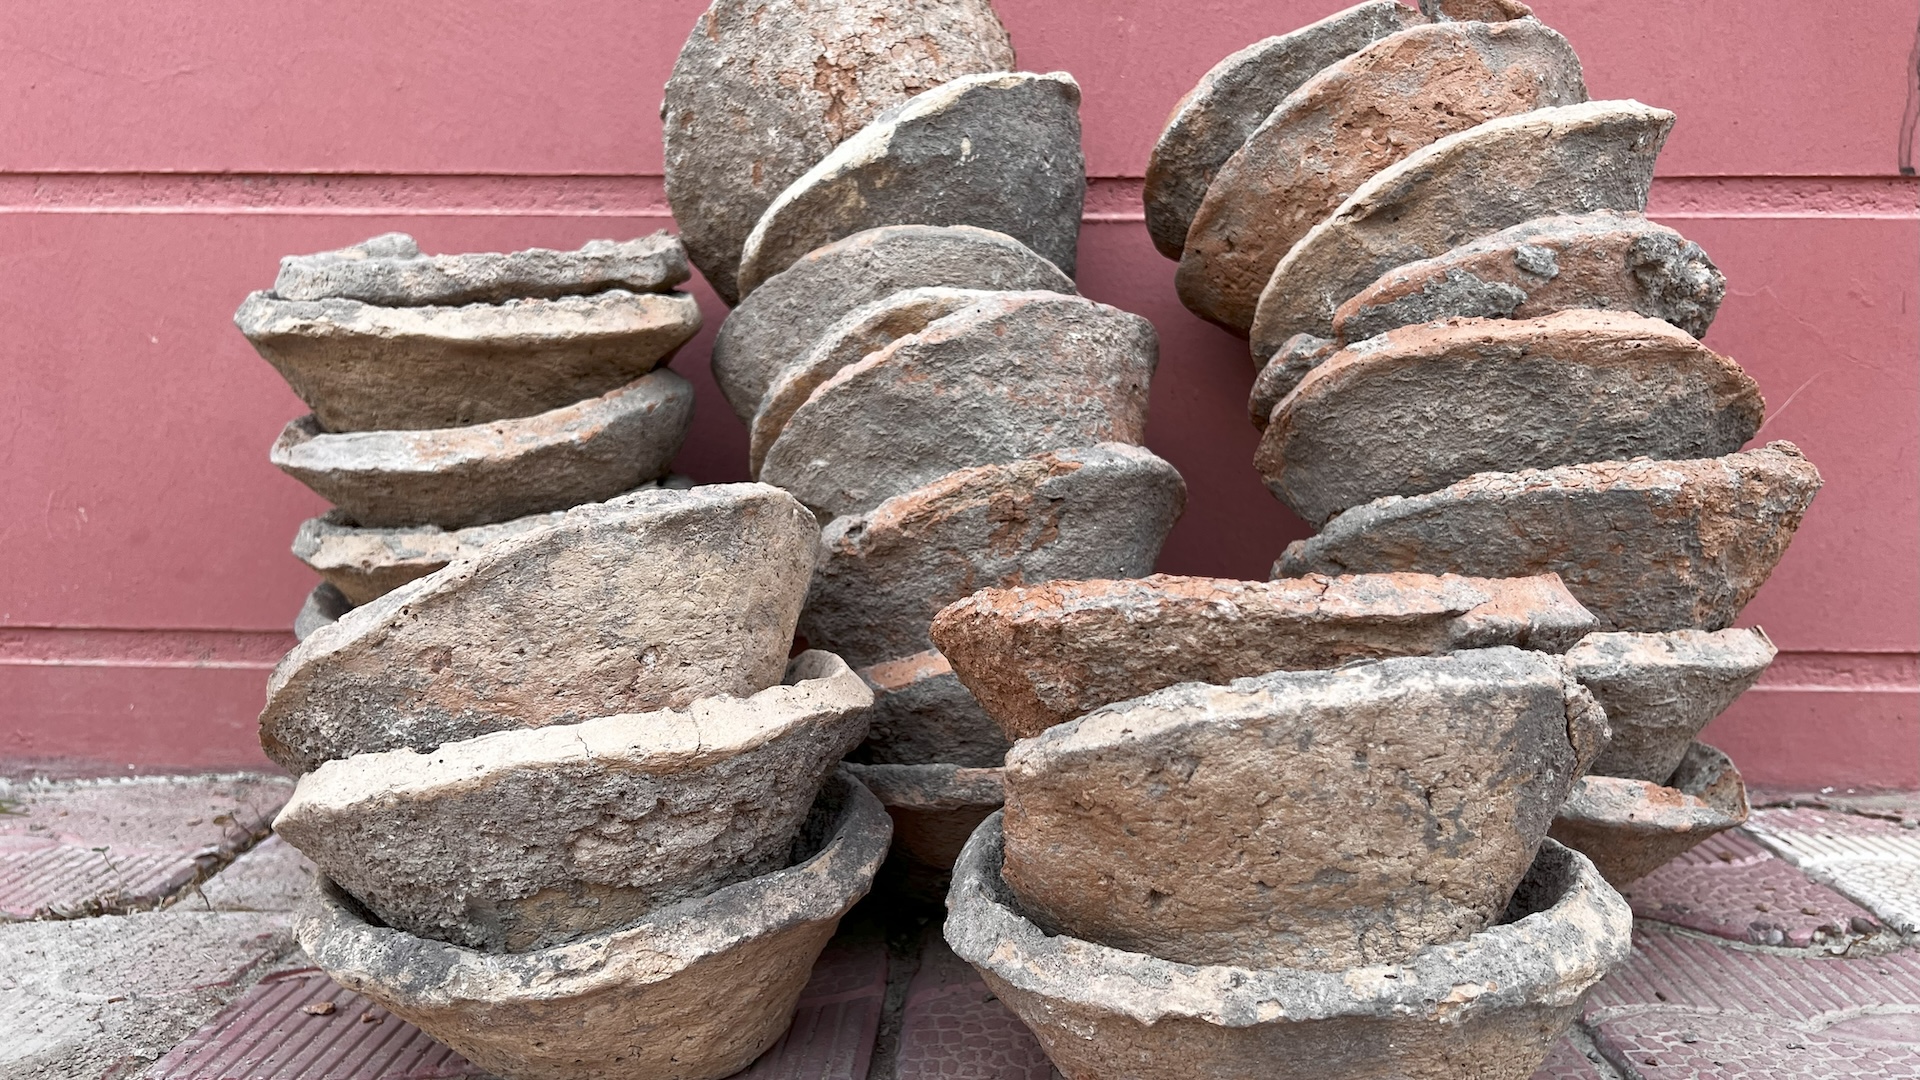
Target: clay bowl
{"x": 1486, "y": 1008}
{"x": 365, "y": 367}
{"x": 531, "y": 837}
{"x": 454, "y": 478}
{"x": 322, "y": 607}
{"x": 695, "y": 991}
{"x": 1630, "y": 828}
{"x": 935, "y": 808}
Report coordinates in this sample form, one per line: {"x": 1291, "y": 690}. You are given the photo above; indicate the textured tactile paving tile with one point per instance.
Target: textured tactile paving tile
{"x": 1874, "y": 861}
{"x": 1731, "y": 887}
{"x": 300, "y": 1025}
{"x": 92, "y": 999}
{"x": 837, "y": 1019}
{"x": 91, "y": 847}
{"x": 1566, "y": 1062}
{"x": 953, "y": 1028}
{"x": 1686, "y": 1007}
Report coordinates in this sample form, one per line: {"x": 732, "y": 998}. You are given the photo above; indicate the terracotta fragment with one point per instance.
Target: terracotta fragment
{"x": 1573, "y": 159}
{"x": 861, "y": 333}
{"x": 1346, "y": 124}
{"x": 934, "y": 808}
{"x": 1012, "y": 375}
{"x": 922, "y": 714}
{"x": 1100, "y": 511}
{"x": 366, "y": 368}
{"x": 521, "y": 840}
{"x": 996, "y": 151}
{"x": 1489, "y": 1007}
{"x": 1323, "y": 819}
{"x": 322, "y": 607}
{"x": 361, "y": 564}
{"x": 784, "y": 318}
{"x": 1686, "y": 543}
{"x": 390, "y": 270}
{"x": 1301, "y": 354}
{"x": 1232, "y": 99}
{"x": 1630, "y": 828}
{"x": 1042, "y": 655}
{"x": 696, "y": 990}
{"x": 763, "y": 89}
{"x": 460, "y": 477}
{"x": 649, "y": 601}
{"x": 1419, "y": 408}
{"x": 1607, "y": 260}
{"x": 1660, "y": 690}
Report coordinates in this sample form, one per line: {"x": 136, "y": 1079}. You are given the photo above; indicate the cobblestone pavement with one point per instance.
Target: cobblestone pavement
{"x": 144, "y": 933}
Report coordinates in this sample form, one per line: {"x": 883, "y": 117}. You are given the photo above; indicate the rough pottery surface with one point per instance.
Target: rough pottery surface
{"x": 785, "y": 317}
{"x": 1419, "y": 408}
{"x": 763, "y": 89}
{"x": 1573, "y": 159}
{"x": 694, "y": 991}
{"x": 1347, "y": 123}
{"x": 1485, "y": 1008}
{"x": 1283, "y": 371}
{"x": 389, "y": 270}
{"x": 1322, "y": 819}
{"x": 921, "y": 713}
{"x": 935, "y": 808}
{"x": 1012, "y": 375}
{"x": 504, "y": 469}
{"x": 881, "y": 577}
{"x": 1629, "y": 828}
{"x": 520, "y": 840}
{"x": 1606, "y": 260}
{"x": 650, "y": 601}
{"x": 1659, "y": 690}
{"x": 861, "y": 333}
{"x": 362, "y": 564}
{"x": 1687, "y": 543}
{"x": 996, "y": 151}
{"x": 322, "y": 607}
{"x": 1041, "y": 655}
{"x": 366, "y": 368}
{"x": 1234, "y": 97}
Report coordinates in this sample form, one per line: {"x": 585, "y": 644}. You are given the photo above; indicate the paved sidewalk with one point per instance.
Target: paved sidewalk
{"x": 159, "y": 948}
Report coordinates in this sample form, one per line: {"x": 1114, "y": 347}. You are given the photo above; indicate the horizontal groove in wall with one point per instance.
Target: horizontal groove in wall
{"x": 90, "y": 647}
{"x": 62, "y": 646}
{"x": 1108, "y": 198}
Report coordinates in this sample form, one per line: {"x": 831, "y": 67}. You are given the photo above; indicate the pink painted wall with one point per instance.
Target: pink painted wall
{"x": 160, "y": 158}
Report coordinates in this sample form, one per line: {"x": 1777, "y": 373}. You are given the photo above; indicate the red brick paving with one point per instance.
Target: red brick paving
{"x": 300, "y": 1025}
{"x": 1733, "y": 888}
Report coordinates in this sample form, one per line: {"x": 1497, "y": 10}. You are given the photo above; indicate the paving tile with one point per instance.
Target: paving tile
{"x": 1874, "y": 861}
{"x": 274, "y": 876}
{"x": 300, "y": 1025}
{"x": 88, "y": 847}
{"x": 953, "y": 1028}
{"x": 1658, "y": 1046}
{"x": 1685, "y": 1007}
{"x": 1566, "y": 1062}
{"x": 1731, "y": 887}
{"x": 104, "y": 997}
